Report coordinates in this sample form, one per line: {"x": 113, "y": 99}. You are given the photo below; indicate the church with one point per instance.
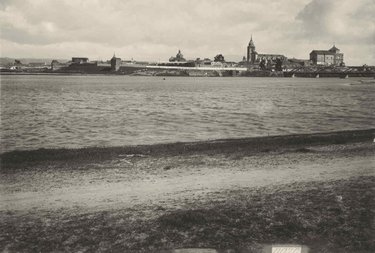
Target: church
{"x": 253, "y": 57}
{"x": 179, "y": 57}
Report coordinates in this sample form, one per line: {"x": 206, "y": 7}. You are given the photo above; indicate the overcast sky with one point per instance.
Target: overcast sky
{"x": 156, "y": 29}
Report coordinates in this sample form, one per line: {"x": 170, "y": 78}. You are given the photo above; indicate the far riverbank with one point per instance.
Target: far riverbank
{"x": 200, "y": 72}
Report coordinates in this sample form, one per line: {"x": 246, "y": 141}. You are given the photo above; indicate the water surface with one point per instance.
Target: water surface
{"x": 81, "y": 111}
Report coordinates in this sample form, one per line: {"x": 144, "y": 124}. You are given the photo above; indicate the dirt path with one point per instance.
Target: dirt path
{"x": 169, "y": 181}
{"x": 150, "y": 203}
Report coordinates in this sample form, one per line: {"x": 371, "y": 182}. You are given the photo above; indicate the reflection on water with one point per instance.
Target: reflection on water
{"x": 79, "y": 111}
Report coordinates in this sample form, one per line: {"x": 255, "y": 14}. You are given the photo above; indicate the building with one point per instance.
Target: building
{"x": 79, "y": 60}
{"x": 251, "y": 53}
{"x": 37, "y": 65}
{"x": 294, "y": 63}
{"x": 115, "y": 63}
{"x": 55, "y": 65}
{"x": 254, "y": 58}
{"x": 270, "y": 57}
{"x": 179, "y": 57}
{"x": 217, "y": 64}
{"x": 327, "y": 57}
{"x": 207, "y": 61}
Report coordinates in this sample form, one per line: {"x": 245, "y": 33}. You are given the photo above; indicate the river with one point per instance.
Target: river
{"x": 45, "y": 111}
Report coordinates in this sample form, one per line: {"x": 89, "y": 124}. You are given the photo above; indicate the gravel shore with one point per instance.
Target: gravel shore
{"x": 315, "y": 190}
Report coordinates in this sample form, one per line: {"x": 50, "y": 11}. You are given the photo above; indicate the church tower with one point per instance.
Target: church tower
{"x": 115, "y": 63}
{"x": 251, "y": 53}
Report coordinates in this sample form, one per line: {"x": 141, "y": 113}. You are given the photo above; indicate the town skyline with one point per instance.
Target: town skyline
{"x": 143, "y": 30}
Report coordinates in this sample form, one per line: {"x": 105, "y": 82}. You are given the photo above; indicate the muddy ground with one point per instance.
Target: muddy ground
{"x": 319, "y": 195}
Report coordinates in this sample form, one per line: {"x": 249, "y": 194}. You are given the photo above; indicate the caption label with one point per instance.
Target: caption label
{"x": 286, "y": 249}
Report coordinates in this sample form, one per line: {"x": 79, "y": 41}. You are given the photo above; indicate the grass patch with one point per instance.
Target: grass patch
{"x": 333, "y": 216}
{"x": 226, "y": 146}
{"x": 303, "y": 150}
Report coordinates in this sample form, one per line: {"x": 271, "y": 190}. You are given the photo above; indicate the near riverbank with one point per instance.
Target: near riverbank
{"x": 238, "y": 194}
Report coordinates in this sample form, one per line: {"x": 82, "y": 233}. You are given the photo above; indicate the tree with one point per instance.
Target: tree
{"x": 219, "y": 58}
{"x": 279, "y": 64}
{"x": 262, "y": 64}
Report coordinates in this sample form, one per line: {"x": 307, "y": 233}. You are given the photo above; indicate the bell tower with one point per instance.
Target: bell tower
{"x": 251, "y": 53}
{"x": 115, "y": 63}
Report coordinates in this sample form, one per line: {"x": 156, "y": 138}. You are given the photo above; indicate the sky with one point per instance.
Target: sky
{"x": 154, "y": 30}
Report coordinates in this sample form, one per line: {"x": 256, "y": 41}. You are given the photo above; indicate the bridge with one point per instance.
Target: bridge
{"x": 196, "y": 68}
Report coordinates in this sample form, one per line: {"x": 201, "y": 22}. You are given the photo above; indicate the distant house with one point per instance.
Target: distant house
{"x": 17, "y": 65}
{"x": 293, "y": 62}
{"x": 36, "y": 64}
{"x": 56, "y": 65}
{"x": 271, "y": 57}
{"x": 217, "y": 64}
{"x": 80, "y": 60}
{"x": 207, "y": 61}
{"x": 327, "y": 57}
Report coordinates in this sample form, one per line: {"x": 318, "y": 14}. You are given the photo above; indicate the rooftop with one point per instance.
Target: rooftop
{"x": 322, "y": 52}
{"x": 334, "y": 49}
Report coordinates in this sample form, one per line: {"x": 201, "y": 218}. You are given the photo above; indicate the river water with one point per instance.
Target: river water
{"x": 85, "y": 111}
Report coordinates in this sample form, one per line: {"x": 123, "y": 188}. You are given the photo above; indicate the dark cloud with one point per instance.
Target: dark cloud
{"x": 4, "y": 4}
{"x": 314, "y": 17}
{"x": 346, "y": 21}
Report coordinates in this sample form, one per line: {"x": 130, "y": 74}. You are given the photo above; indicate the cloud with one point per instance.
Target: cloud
{"x": 152, "y": 30}
{"x": 344, "y": 21}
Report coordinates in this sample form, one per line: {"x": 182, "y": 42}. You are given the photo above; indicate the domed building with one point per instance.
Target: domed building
{"x": 179, "y": 57}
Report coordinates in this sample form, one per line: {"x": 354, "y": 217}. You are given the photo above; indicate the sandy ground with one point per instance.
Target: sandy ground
{"x": 144, "y": 203}
{"x": 134, "y": 180}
